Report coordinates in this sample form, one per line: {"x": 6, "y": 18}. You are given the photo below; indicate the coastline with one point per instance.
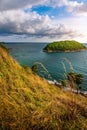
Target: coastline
{"x": 51, "y": 51}
{"x": 58, "y": 84}
{"x": 50, "y": 58}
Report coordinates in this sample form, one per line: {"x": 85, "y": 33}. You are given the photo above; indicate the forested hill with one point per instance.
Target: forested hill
{"x": 66, "y": 46}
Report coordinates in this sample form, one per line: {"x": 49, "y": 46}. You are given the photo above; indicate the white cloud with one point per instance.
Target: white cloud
{"x": 56, "y": 3}
{"x": 17, "y": 4}
{"x": 32, "y": 24}
{"x": 15, "y": 22}
{"x": 78, "y": 9}
{"x": 71, "y": 5}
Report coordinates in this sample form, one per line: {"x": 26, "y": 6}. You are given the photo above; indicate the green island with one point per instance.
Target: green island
{"x": 28, "y": 102}
{"x": 64, "y": 46}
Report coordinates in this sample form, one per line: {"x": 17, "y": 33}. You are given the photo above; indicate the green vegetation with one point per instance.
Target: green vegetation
{"x": 75, "y": 80}
{"x": 64, "y": 46}
{"x": 2, "y": 46}
{"x": 35, "y": 68}
{"x": 28, "y": 102}
{"x": 41, "y": 70}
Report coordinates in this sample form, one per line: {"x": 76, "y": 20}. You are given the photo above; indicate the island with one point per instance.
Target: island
{"x": 64, "y": 46}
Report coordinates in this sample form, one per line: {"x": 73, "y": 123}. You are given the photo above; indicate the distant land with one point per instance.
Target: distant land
{"x": 64, "y": 46}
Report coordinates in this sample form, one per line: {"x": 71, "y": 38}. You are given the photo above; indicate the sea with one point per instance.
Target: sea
{"x": 56, "y": 64}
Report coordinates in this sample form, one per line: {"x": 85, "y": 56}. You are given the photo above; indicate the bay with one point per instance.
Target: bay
{"x": 29, "y": 53}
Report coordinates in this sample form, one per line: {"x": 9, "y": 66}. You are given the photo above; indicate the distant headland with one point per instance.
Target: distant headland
{"x": 64, "y": 46}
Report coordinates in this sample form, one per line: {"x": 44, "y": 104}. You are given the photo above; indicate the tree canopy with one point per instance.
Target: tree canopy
{"x": 64, "y": 46}
{"x": 75, "y": 79}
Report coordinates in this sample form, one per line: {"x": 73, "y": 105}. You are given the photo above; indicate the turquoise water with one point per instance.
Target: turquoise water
{"x": 29, "y": 53}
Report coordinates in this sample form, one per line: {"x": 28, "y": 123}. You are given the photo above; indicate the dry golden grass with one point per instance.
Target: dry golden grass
{"x": 28, "y": 102}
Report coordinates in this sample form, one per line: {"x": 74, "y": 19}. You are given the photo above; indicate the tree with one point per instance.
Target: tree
{"x": 79, "y": 80}
{"x": 35, "y": 68}
{"x": 75, "y": 80}
{"x": 65, "y": 83}
{"x": 72, "y": 78}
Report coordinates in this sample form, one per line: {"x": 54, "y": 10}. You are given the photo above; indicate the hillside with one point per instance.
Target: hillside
{"x": 28, "y": 102}
{"x": 66, "y": 46}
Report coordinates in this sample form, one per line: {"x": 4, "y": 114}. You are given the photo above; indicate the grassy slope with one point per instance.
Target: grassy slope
{"x": 29, "y": 103}
{"x": 64, "y": 46}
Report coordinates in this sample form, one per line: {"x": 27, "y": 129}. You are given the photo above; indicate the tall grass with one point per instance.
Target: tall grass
{"x": 27, "y": 102}
{"x": 43, "y": 70}
{"x": 70, "y": 69}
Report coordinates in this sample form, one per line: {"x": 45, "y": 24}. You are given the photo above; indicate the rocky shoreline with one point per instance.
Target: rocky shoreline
{"x": 51, "y": 51}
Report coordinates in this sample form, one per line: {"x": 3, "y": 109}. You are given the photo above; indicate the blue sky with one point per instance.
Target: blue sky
{"x": 43, "y": 21}
{"x": 51, "y": 12}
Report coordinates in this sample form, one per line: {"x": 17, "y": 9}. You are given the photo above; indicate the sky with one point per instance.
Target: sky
{"x": 43, "y": 20}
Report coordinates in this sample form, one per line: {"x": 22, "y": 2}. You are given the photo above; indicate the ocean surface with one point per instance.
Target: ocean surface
{"x": 57, "y": 64}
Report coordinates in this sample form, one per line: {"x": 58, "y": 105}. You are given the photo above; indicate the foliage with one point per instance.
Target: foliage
{"x": 64, "y": 46}
{"x": 35, "y": 68}
{"x": 5, "y": 48}
{"x": 28, "y": 102}
{"x": 79, "y": 79}
{"x": 72, "y": 76}
{"x": 75, "y": 78}
{"x": 41, "y": 69}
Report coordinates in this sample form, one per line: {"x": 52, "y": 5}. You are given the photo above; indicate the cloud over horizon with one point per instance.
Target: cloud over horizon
{"x": 31, "y": 24}
{"x": 14, "y": 20}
